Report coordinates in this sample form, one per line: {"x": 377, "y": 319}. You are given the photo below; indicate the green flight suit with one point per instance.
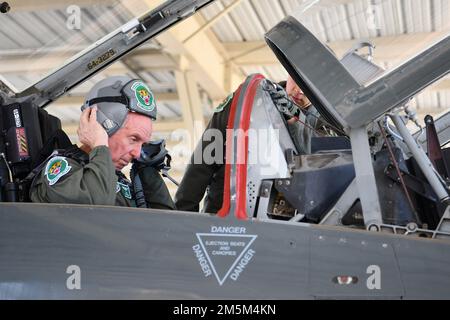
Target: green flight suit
{"x": 95, "y": 182}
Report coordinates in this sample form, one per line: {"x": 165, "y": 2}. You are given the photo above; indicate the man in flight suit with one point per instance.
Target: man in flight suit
{"x": 202, "y": 177}
{"x": 116, "y": 121}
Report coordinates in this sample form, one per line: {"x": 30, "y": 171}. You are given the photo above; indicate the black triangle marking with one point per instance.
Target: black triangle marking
{"x": 215, "y": 249}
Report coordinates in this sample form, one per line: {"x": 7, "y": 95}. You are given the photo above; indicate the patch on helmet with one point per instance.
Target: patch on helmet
{"x": 108, "y": 124}
{"x": 56, "y": 168}
{"x": 144, "y": 96}
{"x": 225, "y": 102}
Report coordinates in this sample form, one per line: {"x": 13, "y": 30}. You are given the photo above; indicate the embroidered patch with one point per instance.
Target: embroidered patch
{"x": 55, "y": 169}
{"x": 144, "y": 96}
{"x": 124, "y": 190}
{"x": 224, "y": 103}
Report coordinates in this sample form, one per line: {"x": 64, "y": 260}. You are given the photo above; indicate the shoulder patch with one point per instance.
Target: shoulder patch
{"x": 56, "y": 168}
{"x": 225, "y": 102}
{"x": 124, "y": 190}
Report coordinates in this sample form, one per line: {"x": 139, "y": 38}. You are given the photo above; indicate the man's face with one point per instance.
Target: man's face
{"x": 126, "y": 143}
{"x": 296, "y": 93}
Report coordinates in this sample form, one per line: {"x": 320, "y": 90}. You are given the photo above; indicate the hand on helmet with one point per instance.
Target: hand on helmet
{"x": 90, "y": 132}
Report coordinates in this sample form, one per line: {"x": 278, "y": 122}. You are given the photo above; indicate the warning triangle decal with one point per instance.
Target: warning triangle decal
{"x": 224, "y": 251}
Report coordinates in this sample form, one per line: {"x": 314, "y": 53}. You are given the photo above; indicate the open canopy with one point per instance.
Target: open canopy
{"x": 335, "y": 90}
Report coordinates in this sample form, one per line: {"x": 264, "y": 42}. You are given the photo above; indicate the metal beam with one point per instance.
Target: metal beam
{"x": 204, "y": 51}
{"x": 216, "y": 18}
{"x": 365, "y": 177}
{"x": 234, "y": 76}
{"x": 389, "y": 48}
{"x": 190, "y": 102}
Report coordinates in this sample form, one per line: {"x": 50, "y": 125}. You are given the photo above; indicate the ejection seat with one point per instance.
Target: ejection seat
{"x": 31, "y": 134}
{"x": 265, "y": 176}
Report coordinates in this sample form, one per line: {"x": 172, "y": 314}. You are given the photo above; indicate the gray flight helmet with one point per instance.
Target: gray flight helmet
{"x": 115, "y": 97}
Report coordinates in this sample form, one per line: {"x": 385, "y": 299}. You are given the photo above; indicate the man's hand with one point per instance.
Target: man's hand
{"x": 90, "y": 132}
{"x": 281, "y": 99}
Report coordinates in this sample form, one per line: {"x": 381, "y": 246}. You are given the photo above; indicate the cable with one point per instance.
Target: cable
{"x": 402, "y": 182}
{"x": 337, "y": 130}
{"x": 310, "y": 127}
{"x": 390, "y": 130}
{"x": 7, "y": 166}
